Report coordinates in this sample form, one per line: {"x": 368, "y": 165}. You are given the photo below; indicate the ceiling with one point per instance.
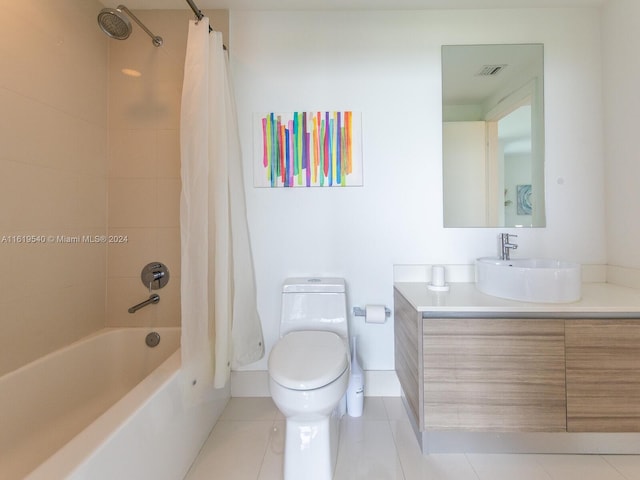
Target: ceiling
{"x": 355, "y": 4}
{"x": 461, "y": 63}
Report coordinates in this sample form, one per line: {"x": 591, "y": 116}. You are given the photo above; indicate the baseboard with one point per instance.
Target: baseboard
{"x": 255, "y": 383}
{"x": 381, "y": 383}
{"x": 250, "y": 383}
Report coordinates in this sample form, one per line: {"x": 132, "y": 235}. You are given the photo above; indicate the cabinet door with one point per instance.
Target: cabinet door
{"x": 603, "y": 375}
{"x": 408, "y": 345}
{"x": 494, "y": 375}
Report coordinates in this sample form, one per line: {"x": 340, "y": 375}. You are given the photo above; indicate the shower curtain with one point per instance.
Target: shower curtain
{"x": 220, "y": 323}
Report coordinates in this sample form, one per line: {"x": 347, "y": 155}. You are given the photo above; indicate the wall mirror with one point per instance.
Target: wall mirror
{"x": 493, "y": 135}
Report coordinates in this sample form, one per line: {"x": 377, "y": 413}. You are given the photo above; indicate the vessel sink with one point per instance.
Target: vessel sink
{"x": 529, "y": 279}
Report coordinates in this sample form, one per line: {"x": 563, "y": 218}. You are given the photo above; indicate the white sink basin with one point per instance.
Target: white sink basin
{"x": 529, "y": 279}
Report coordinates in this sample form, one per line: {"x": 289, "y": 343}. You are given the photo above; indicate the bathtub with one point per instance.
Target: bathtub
{"x": 105, "y": 407}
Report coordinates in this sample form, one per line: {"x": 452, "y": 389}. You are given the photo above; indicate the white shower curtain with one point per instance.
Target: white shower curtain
{"x": 220, "y": 323}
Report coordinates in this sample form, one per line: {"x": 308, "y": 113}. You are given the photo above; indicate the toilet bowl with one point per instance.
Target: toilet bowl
{"x": 308, "y": 374}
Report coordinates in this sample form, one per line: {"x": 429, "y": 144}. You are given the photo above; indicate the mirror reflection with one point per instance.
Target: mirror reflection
{"x": 493, "y": 135}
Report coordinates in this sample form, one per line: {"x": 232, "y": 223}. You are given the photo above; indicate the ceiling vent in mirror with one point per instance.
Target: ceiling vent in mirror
{"x": 490, "y": 70}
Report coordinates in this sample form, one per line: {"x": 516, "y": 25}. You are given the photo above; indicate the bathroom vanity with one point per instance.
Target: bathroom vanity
{"x": 484, "y": 374}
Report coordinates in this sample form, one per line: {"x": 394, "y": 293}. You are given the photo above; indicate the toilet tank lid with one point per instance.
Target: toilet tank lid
{"x": 314, "y": 285}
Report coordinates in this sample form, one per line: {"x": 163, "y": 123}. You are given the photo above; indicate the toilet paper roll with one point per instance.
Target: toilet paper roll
{"x": 375, "y": 314}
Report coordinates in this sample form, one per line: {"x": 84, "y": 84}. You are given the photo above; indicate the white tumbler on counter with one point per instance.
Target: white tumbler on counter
{"x": 355, "y": 390}
{"x": 437, "y": 279}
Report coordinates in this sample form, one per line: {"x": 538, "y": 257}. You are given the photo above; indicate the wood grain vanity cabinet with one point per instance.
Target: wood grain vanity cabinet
{"x": 524, "y": 380}
{"x": 603, "y": 375}
{"x": 408, "y": 355}
{"x": 505, "y": 375}
{"x": 481, "y": 374}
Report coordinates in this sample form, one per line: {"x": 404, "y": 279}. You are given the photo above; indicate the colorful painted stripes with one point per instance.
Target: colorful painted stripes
{"x": 307, "y": 148}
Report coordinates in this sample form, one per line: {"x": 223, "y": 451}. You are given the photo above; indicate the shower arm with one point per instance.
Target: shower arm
{"x": 157, "y": 40}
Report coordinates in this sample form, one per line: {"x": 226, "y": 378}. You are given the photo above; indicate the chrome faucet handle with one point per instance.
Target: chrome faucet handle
{"x": 506, "y": 245}
{"x": 154, "y": 275}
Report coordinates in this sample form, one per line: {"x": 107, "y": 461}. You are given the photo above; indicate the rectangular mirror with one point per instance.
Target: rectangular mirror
{"x": 493, "y": 135}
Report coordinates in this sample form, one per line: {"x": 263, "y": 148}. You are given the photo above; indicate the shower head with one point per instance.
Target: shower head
{"x": 115, "y": 23}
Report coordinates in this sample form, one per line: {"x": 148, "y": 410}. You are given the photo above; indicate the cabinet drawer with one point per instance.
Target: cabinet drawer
{"x": 603, "y": 377}
{"x": 494, "y": 375}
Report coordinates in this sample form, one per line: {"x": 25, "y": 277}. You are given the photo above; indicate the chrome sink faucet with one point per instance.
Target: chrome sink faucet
{"x": 506, "y": 245}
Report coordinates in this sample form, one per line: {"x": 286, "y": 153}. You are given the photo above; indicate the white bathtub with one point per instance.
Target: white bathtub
{"x": 105, "y": 407}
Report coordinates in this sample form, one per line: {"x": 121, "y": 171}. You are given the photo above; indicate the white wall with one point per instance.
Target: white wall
{"x": 465, "y": 183}
{"x": 621, "y": 41}
{"x": 387, "y": 66}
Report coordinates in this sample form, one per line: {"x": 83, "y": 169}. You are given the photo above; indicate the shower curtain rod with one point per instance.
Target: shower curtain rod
{"x": 199, "y": 15}
{"x": 197, "y": 12}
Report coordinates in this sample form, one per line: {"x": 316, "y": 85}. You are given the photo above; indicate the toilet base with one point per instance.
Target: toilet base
{"x": 311, "y": 446}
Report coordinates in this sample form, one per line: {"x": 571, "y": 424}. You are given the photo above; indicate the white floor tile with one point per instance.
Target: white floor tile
{"x": 417, "y": 466}
{"x": 374, "y": 409}
{"x": 627, "y": 465}
{"x": 248, "y": 444}
{"x": 395, "y": 408}
{"x": 507, "y": 467}
{"x": 234, "y": 451}
{"x": 367, "y": 451}
{"x": 578, "y": 467}
{"x": 272, "y": 464}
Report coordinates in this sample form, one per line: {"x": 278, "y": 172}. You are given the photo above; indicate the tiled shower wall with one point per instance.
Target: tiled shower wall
{"x": 86, "y": 150}
{"x": 53, "y": 176}
{"x": 144, "y": 165}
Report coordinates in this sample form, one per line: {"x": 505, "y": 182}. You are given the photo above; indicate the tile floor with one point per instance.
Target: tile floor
{"x": 247, "y": 444}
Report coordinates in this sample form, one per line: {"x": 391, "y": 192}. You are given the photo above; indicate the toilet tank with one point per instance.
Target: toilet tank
{"x": 314, "y": 304}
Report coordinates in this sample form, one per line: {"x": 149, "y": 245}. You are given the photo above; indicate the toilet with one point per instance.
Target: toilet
{"x": 309, "y": 370}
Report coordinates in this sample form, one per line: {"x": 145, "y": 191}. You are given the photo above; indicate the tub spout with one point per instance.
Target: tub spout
{"x": 155, "y": 298}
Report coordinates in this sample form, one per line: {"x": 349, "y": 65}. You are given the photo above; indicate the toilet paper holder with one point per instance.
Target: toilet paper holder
{"x": 361, "y": 312}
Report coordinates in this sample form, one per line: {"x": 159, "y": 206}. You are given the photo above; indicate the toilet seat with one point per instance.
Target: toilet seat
{"x": 306, "y": 360}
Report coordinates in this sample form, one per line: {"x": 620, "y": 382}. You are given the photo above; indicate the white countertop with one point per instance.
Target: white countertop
{"x": 598, "y": 299}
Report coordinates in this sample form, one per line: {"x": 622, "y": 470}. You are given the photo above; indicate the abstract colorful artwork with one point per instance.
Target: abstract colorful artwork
{"x": 308, "y": 149}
